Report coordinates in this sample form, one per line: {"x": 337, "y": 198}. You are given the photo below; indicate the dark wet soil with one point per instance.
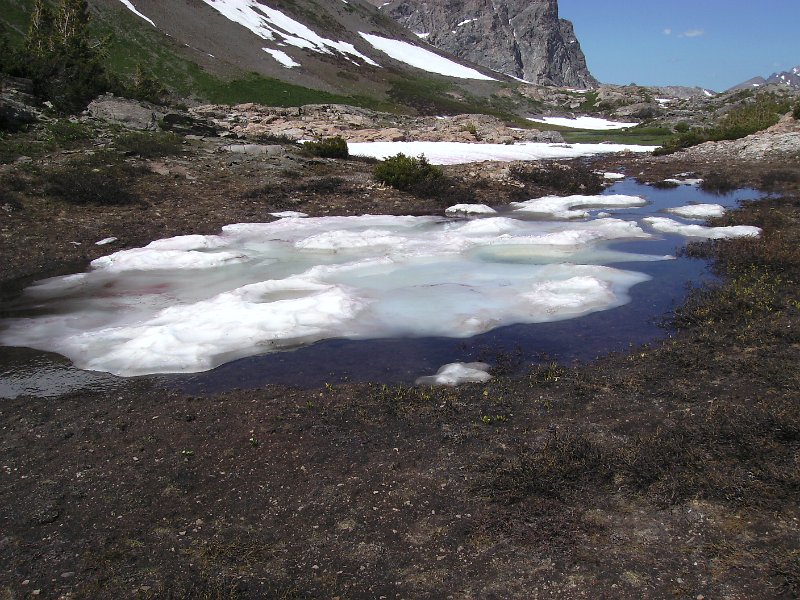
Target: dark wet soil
{"x": 667, "y": 471}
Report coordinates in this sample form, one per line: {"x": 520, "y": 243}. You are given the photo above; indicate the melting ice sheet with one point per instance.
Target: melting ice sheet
{"x": 190, "y": 303}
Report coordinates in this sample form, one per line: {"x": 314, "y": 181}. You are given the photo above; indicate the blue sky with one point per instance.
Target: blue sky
{"x": 709, "y": 43}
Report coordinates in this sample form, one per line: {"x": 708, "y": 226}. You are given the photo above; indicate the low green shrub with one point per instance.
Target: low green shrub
{"x": 335, "y": 147}
{"x": 796, "y": 111}
{"x": 410, "y": 174}
{"x": 68, "y": 134}
{"x": 149, "y": 145}
{"x": 100, "y": 179}
{"x": 145, "y": 86}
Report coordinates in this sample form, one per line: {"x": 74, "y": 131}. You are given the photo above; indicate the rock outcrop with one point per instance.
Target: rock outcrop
{"x": 256, "y": 122}
{"x": 781, "y": 141}
{"x": 521, "y": 38}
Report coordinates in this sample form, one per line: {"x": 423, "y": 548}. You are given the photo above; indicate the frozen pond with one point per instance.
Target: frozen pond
{"x": 374, "y": 297}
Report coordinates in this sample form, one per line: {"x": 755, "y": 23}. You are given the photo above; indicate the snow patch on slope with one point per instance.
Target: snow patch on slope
{"x": 132, "y": 8}
{"x": 273, "y": 25}
{"x": 422, "y": 59}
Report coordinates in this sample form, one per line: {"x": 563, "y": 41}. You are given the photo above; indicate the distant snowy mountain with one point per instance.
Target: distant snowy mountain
{"x": 790, "y": 78}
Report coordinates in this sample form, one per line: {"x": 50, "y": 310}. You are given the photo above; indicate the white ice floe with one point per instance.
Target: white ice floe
{"x": 569, "y": 207}
{"x": 690, "y": 181}
{"x": 457, "y": 373}
{"x": 421, "y": 58}
{"x": 613, "y": 176}
{"x": 469, "y": 209}
{"x": 271, "y": 24}
{"x": 454, "y": 153}
{"x": 132, "y": 8}
{"x": 190, "y": 303}
{"x": 283, "y": 58}
{"x": 666, "y": 225}
{"x": 698, "y": 211}
{"x": 593, "y": 123}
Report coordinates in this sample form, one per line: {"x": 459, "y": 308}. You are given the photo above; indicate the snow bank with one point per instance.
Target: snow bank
{"x": 454, "y": 153}
{"x": 593, "y": 123}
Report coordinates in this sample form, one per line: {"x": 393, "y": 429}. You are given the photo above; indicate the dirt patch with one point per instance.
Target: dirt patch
{"x": 669, "y": 471}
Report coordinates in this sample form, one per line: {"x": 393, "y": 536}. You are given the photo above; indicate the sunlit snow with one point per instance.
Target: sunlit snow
{"x": 421, "y": 58}
{"x": 283, "y": 58}
{"x": 457, "y": 373}
{"x": 698, "y": 211}
{"x": 132, "y": 8}
{"x": 271, "y": 24}
{"x": 593, "y": 123}
{"x": 469, "y": 209}
{"x": 690, "y": 181}
{"x": 190, "y": 303}
{"x": 571, "y": 207}
{"x": 666, "y": 225}
{"x": 454, "y": 153}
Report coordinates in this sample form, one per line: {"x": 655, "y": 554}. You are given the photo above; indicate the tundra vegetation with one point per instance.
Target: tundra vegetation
{"x": 762, "y": 111}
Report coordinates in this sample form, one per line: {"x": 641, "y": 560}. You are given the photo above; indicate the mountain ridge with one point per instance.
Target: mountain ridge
{"x": 789, "y": 78}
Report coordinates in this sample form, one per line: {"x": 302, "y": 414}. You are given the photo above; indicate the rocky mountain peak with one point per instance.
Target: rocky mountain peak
{"x": 521, "y": 38}
{"x": 789, "y": 78}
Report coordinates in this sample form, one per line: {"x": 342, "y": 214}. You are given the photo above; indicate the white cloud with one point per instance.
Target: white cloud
{"x": 693, "y": 33}
{"x": 667, "y": 31}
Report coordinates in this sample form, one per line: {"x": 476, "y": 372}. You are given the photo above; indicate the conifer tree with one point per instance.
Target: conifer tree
{"x": 66, "y": 68}
{"x": 40, "y": 39}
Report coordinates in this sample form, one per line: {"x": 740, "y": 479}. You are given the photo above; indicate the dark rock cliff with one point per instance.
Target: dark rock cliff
{"x": 522, "y": 38}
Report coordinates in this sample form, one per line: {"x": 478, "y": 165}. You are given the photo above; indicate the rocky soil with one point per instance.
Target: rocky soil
{"x": 669, "y": 471}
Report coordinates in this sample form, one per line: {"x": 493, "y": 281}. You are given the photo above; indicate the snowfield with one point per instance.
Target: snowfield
{"x": 454, "y": 153}
{"x": 593, "y": 123}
